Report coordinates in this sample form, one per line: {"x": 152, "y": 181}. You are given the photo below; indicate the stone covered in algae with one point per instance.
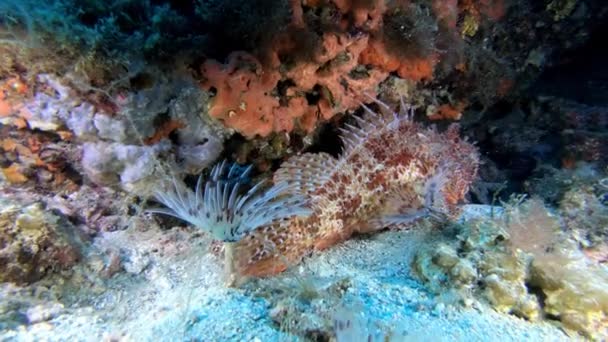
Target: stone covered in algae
{"x": 34, "y": 242}
{"x": 520, "y": 264}
{"x": 478, "y": 263}
{"x": 575, "y": 290}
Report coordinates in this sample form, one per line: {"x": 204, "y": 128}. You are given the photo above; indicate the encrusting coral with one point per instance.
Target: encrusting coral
{"x": 283, "y": 88}
{"x": 323, "y": 60}
{"x": 245, "y": 89}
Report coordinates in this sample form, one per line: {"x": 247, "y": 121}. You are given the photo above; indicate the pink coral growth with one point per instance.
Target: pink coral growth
{"x": 366, "y": 13}
{"x": 263, "y": 93}
{"x": 243, "y": 99}
{"x": 321, "y": 64}
{"x": 246, "y": 99}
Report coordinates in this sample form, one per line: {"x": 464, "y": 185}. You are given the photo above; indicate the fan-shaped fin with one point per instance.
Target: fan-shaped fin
{"x": 404, "y": 206}
{"x": 367, "y": 124}
{"x": 307, "y": 172}
{"x": 371, "y": 123}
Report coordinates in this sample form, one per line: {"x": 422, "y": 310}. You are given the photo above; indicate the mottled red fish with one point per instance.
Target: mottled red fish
{"x": 392, "y": 172}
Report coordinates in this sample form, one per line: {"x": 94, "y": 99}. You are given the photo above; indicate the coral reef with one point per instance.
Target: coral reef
{"x": 280, "y": 91}
{"x": 543, "y": 146}
{"x": 96, "y": 41}
{"x": 245, "y": 99}
{"x": 118, "y": 164}
{"x": 585, "y": 215}
{"x": 307, "y": 63}
{"x": 316, "y": 67}
{"x": 102, "y": 101}
{"x": 167, "y": 284}
{"x": 583, "y": 131}
{"x": 35, "y": 157}
{"x": 503, "y": 275}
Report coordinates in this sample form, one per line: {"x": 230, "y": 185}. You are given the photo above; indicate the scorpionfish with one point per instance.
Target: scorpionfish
{"x": 392, "y": 172}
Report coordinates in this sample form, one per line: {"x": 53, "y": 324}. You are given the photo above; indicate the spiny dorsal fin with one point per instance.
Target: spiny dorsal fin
{"x": 307, "y": 172}
{"x": 371, "y": 123}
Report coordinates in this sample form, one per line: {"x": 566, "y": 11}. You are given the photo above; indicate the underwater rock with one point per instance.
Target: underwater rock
{"x": 575, "y": 290}
{"x": 445, "y": 256}
{"x": 35, "y": 157}
{"x": 35, "y": 242}
{"x": 485, "y": 267}
{"x": 463, "y": 272}
{"x": 59, "y": 107}
{"x": 200, "y": 139}
{"x": 96, "y": 209}
{"x": 518, "y": 267}
{"x": 316, "y": 90}
{"x": 120, "y": 156}
{"x": 585, "y": 215}
{"x": 581, "y": 128}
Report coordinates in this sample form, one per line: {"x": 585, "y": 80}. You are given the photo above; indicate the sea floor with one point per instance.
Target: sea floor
{"x": 173, "y": 290}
